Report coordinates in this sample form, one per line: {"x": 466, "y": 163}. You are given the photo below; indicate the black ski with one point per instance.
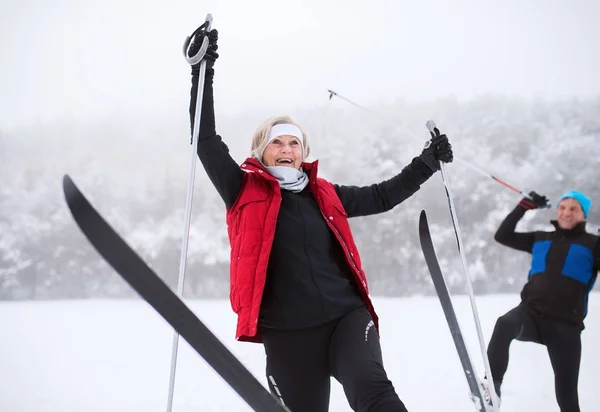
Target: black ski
{"x": 153, "y": 290}
{"x": 444, "y": 295}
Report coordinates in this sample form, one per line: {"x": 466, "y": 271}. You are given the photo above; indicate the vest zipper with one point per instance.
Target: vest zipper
{"x": 348, "y": 254}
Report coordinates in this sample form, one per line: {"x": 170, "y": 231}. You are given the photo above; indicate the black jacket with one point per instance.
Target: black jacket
{"x": 564, "y": 267}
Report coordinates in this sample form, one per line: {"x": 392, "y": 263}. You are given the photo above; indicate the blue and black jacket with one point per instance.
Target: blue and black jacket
{"x": 564, "y": 267}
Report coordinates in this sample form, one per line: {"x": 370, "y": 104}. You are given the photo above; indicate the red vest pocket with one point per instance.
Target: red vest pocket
{"x": 245, "y": 254}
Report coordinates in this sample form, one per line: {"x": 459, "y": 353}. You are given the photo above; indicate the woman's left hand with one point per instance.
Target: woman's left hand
{"x": 437, "y": 150}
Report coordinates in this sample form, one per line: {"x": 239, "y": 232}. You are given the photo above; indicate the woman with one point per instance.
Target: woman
{"x": 297, "y": 284}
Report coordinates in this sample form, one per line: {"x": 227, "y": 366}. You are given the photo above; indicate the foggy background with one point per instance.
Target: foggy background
{"x": 100, "y": 91}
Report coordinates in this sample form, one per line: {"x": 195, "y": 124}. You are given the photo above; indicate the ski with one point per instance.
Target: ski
{"x": 132, "y": 268}
{"x": 446, "y": 301}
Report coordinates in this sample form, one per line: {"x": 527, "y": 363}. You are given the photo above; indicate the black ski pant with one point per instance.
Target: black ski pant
{"x": 300, "y": 364}
{"x": 562, "y": 340}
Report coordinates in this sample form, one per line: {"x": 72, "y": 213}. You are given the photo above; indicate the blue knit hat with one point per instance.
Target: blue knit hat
{"x": 583, "y": 200}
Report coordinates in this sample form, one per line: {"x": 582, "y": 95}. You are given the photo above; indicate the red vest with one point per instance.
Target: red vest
{"x": 251, "y": 227}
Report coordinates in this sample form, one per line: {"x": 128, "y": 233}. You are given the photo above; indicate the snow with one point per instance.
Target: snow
{"x": 114, "y": 355}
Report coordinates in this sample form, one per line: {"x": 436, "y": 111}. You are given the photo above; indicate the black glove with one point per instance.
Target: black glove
{"x": 536, "y": 202}
{"x": 211, "y": 52}
{"x": 437, "y": 149}
{"x": 207, "y": 122}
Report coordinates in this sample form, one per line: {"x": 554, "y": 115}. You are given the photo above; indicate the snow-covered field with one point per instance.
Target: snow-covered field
{"x": 104, "y": 355}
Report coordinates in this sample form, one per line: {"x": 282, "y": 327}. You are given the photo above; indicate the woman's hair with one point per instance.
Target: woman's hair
{"x": 261, "y": 136}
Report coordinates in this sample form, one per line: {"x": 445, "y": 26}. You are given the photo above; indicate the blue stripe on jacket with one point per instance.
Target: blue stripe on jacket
{"x": 579, "y": 264}
{"x": 538, "y": 254}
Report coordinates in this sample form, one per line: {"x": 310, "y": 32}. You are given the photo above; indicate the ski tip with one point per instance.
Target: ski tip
{"x": 423, "y": 217}
{"x": 76, "y": 201}
{"x": 423, "y": 226}
{"x": 69, "y": 187}
{"x": 67, "y": 181}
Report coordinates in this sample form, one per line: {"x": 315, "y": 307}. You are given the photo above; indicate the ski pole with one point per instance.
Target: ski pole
{"x": 467, "y": 163}
{"x": 192, "y": 60}
{"x": 332, "y": 93}
{"x": 431, "y": 126}
{"x": 491, "y": 176}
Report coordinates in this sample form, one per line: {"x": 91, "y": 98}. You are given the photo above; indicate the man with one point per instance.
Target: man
{"x": 564, "y": 266}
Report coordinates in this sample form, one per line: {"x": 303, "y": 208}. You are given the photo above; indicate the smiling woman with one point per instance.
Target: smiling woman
{"x": 297, "y": 284}
{"x": 280, "y": 141}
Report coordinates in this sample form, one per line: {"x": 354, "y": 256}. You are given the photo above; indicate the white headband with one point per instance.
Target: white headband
{"x": 286, "y": 130}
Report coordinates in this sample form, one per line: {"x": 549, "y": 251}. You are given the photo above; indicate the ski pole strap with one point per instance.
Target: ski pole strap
{"x": 196, "y": 58}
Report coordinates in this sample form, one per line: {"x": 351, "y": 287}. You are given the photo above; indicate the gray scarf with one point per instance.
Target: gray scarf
{"x": 292, "y": 179}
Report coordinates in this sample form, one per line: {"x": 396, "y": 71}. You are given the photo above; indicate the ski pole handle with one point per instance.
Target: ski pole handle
{"x": 195, "y": 59}
{"x": 431, "y": 126}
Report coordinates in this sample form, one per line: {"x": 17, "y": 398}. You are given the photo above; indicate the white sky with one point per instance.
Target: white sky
{"x": 83, "y": 58}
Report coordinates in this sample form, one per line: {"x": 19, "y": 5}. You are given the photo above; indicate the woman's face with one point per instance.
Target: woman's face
{"x": 283, "y": 151}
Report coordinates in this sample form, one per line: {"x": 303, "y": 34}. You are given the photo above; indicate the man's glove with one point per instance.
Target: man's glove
{"x": 536, "y": 202}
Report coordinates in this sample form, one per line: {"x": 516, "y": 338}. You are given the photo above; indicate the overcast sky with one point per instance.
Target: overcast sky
{"x": 83, "y": 58}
